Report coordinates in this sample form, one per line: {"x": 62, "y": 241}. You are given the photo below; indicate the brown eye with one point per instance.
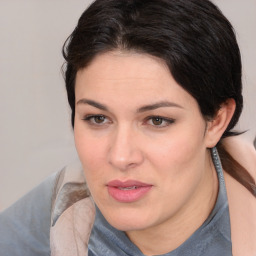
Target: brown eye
{"x": 157, "y": 120}
{"x": 96, "y": 120}
{"x": 99, "y": 119}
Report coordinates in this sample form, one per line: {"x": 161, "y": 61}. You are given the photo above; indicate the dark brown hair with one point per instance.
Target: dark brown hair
{"x": 193, "y": 37}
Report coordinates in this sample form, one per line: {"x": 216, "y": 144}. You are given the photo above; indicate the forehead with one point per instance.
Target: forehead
{"x": 129, "y": 76}
{"x": 125, "y": 65}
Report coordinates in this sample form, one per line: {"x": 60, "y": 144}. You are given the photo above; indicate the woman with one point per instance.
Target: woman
{"x": 154, "y": 87}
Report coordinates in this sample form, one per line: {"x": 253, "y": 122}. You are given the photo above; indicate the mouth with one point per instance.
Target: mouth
{"x": 128, "y": 191}
{"x": 127, "y": 188}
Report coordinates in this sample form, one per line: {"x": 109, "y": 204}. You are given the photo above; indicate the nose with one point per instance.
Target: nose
{"x": 125, "y": 151}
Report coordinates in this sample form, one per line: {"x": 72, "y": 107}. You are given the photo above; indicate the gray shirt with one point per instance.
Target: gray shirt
{"x": 25, "y": 226}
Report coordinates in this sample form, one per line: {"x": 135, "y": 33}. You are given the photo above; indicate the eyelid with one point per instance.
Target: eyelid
{"x": 168, "y": 121}
{"x": 88, "y": 119}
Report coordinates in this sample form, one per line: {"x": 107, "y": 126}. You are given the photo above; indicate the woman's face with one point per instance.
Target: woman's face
{"x": 141, "y": 140}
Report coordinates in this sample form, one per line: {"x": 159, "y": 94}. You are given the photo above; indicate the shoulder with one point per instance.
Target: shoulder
{"x": 25, "y": 225}
{"x": 242, "y": 207}
{"x": 242, "y": 204}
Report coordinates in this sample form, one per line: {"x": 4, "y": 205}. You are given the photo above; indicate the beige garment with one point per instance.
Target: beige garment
{"x": 73, "y": 214}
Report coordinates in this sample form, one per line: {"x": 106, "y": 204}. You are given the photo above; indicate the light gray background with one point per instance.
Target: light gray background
{"x": 35, "y": 133}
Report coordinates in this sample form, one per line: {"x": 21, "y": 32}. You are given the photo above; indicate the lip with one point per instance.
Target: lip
{"x": 128, "y": 191}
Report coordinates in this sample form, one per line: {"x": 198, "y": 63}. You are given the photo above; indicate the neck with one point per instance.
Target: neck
{"x": 169, "y": 235}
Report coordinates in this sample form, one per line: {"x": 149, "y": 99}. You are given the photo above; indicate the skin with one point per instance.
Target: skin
{"x": 243, "y": 151}
{"x": 126, "y": 143}
{"x": 242, "y": 204}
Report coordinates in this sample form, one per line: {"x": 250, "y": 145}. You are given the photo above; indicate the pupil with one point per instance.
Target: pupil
{"x": 157, "y": 121}
{"x": 99, "y": 119}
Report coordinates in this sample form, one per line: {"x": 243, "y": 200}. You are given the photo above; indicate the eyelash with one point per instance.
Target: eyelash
{"x": 167, "y": 121}
{"x": 89, "y": 119}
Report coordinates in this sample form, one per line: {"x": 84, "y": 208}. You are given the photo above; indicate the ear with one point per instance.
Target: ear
{"x": 217, "y": 126}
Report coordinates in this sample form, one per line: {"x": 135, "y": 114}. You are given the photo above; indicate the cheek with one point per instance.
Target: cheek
{"x": 90, "y": 152}
{"x": 179, "y": 154}
{"x": 179, "y": 166}
{"x": 179, "y": 148}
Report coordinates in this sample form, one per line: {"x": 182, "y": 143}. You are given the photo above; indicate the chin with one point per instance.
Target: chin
{"x": 128, "y": 226}
{"x": 126, "y": 220}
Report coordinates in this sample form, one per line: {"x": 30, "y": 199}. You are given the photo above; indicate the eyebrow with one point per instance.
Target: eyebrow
{"x": 145, "y": 108}
{"x": 157, "y": 105}
{"x": 92, "y": 103}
